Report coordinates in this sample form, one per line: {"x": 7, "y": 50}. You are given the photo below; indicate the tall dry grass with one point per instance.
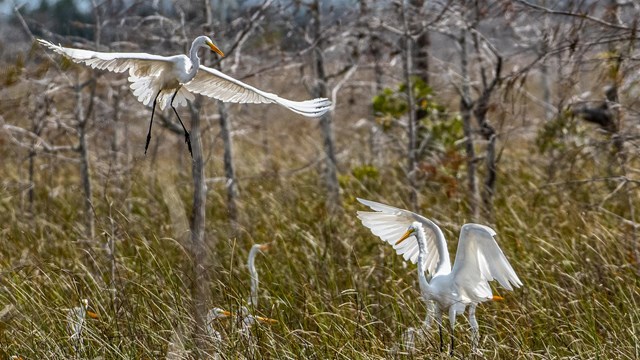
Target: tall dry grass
{"x": 335, "y": 289}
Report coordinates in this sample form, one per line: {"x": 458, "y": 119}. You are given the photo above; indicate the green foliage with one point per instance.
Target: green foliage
{"x": 436, "y": 124}
{"x": 366, "y": 175}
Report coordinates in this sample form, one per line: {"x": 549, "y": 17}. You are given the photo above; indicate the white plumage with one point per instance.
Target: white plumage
{"x": 172, "y": 80}
{"x": 479, "y": 260}
{"x": 251, "y": 264}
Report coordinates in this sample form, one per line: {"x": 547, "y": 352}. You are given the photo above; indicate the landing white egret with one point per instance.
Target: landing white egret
{"x": 173, "y": 79}
{"x": 478, "y": 261}
{"x": 251, "y": 263}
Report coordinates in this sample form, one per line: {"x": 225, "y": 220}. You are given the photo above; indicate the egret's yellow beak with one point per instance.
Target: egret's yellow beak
{"x": 265, "y": 247}
{"x": 266, "y": 320}
{"x": 405, "y": 236}
{"x": 92, "y": 315}
{"x": 226, "y": 313}
{"x": 215, "y": 48}
{"x": 497, "y": 298}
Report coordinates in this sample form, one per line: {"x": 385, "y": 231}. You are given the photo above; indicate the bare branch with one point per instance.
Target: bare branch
{"x": 568, "y": 13}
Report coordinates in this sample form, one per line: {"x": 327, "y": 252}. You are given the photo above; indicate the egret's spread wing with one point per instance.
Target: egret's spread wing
{"x": 138, "y": 64}
{"x": 213, "y": 83}
{"x": 145, "y": 71}
{"x": 390, "y": 223}
{"x": 480, "y": 260}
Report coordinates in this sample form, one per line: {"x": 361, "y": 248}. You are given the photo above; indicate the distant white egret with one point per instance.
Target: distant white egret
{"x": 76, "y": 318}
{"x": 212, "y": 316}
{"x": 247, "y": 322}
{"x": 251, "y": 263}
{"x": 173, "y": 79}
{"x": 249, "y": 319}
{"x": 478, "y": 261}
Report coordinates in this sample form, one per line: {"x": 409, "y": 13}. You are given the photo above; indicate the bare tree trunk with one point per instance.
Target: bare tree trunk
{"x": 82, "y": 119}
{"x": 375, "y": 131}
{"x": 32, "y": 183}
{"x": 86, "y": 185}
{"x": 115, "y": 142}
{"x": 490, "y": 181}
{"x": 465, "y": 111}
{"x": 546, "y": 77}
{"x": 199, "y": 285}
{"x": 320, "y": 90}
{"x": 225, "y": 132}
{"x": 413, "y": 126}
{"x": 229, "y": 170}
{"x": 199, "y": 253}
{"x": 37, "y": 126}
{"x": 489, "y": 134}
{"x": 487, "y": 131}
{"x": 421, "y": 53}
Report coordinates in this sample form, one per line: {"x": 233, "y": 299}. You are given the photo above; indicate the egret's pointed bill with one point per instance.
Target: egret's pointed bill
{"x": 405, "y": 236}
{"x": 215, "y": 48}
{"x": 497, "y": 298}
{"x": 266, "y": 320}
{"x": 265, "y": 247}
{"x": 92, "y": 315}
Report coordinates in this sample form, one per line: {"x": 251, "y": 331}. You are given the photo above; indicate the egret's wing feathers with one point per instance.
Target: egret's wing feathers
{"x": 213, "y": 83}
{"x": 138, "y": 64}
{"x": 145, "y": 71}
{"x": 390, "y": 223}
{"x": 479, "y": 260}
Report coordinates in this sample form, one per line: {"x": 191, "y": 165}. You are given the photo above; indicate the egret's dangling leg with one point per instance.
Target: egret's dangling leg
{"x": 452, "y": 322}
{"x": 437, "y": 315}
{"x": 428, "y": 320}
{"x": 474, "y": 328}
{"x": 153, "y": 110}
{"x": 186, "y": 133}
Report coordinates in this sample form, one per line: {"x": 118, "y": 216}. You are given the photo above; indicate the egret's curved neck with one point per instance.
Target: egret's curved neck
{"x": 254, "y": 276}
{"x": 444, "y": 263}
{"x": 422, "y": 261}
{"x": 195, "y": 60}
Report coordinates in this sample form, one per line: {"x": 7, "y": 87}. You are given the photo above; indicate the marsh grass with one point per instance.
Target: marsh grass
{"x": 335, "y": 289}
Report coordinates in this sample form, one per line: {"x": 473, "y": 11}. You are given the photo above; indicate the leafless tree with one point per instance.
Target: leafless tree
{"x": 326, "y": 121}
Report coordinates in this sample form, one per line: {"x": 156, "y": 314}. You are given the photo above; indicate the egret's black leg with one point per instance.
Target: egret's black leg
{"x": 452, "y": 322}
{"x": 441, "y": 341}
{"x": 186, "y": 133}
{"x": 153, "y": 110}
{"x": 452, "y": 343}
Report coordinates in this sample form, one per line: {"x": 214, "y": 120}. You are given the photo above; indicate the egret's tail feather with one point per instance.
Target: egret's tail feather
{"x": 309, "y": 108}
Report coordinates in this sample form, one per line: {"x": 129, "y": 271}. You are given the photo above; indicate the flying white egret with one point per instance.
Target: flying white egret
{"x": 478, "y": 261}
{"x": 173, "y": 79}
{"x": 251, "y": 263}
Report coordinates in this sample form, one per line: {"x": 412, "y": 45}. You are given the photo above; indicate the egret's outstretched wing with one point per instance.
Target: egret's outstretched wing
{"x": 390, "y": 223}
{"x": 480, "y": 260}
{"x": 213, "y": 83}
{"x": 145, "y": 71}
{"x": 138, "y": 64}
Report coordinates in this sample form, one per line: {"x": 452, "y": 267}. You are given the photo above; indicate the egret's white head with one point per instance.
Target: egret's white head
{"x": 217, "y": 313}
{"x": 411, "y": 230}
{"x": 206, "y": 42}
{"x": 89, "y": 313}
{"x": 261, "y": 247}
